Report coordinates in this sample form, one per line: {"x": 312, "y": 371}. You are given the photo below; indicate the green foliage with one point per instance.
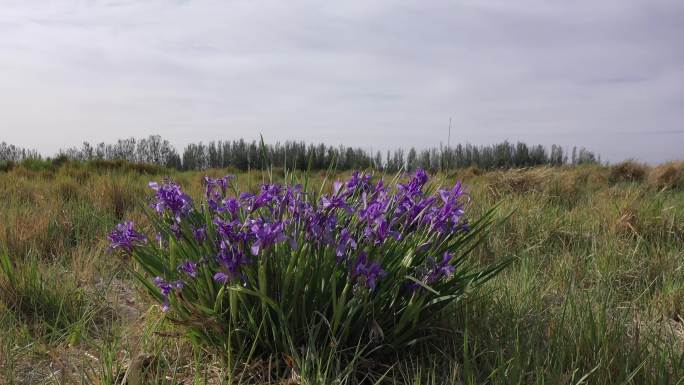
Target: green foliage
{"x": 293, "y": 289}
{"x": 51, "y": 304}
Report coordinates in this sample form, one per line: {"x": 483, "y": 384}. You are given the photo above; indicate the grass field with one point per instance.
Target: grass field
{"x": 595, "y": 294}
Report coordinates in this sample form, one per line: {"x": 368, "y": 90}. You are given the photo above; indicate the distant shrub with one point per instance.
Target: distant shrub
{"x": 365, "y": 265}
{"x": 36, "y": 164}
{"x": 520, "y": 181}
{"x": 60, "y": 160}
{"x": 567, "y": 189}
{"x": 468, "y": 173}
{"x": 668, "y": 176}
{"x": 145, "y": 168}
{"x": 100, "y": 165}
{"x": 6, "y": 165}
{"x": 628, "y": 171}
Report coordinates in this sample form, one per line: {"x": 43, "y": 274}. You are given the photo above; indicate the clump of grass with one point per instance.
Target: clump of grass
{"x": 366, "y": 266}
{"x": 115, "y": 194}
{"x": 670, "y": 300}
{"x": 78, "y": 172}
{"x": 25, "y": 232}
{"x": 628, "y": 171}
{"x": 47, "y": 300}
{"x": 519, "y": 181}
{"x": 466, "y": 173}
{"x": 668, "y": 176}
{"x": 68, "y": 190}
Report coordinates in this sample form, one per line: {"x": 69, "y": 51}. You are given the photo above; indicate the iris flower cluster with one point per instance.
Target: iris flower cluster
{"x": 358, "y": 217}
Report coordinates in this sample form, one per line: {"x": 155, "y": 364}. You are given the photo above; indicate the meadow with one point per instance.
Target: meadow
{"x": 594, "y": 295}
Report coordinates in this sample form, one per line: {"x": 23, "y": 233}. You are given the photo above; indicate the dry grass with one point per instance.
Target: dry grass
{"x": 597, "y": 290}
{"x": 628, "y": 171}
{"x": 668, "y": 176}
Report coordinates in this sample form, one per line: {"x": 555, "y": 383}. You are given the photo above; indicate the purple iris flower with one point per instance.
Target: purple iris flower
{"x": 320, "y": 226}
{"x": 176, "y": 230}
{"x": 447, "y": 218}
{"x": 189, "y": 268}
{"x": 344, "y": 243}
{"x": 230, "y": 230}
{"x": 269, "y": 196}
{"x": 266, "y": 234}
{"x": 294, "y": 203}
{"x": 125, "y": 237}
{"x": 410, "y": 197}
{"x": 215, "y": 191}
{"x": 440, "y": 270}
{"x": 231, "y": 260}
{"x": 229, "y": 205}
{"x": 165, "y": 288}
{"x": 374, "y": 208}
{"x": 415, "y": 185}
{"x": 434, "y": 271}
{"x": 221, "y": 277}
{"x": 368, "y": 274}
{"x": 334, "y": 202}
{"x": 380, "y": 231}
{"x": 413, "y": 209}
{"x": 169, "y": 196}
{"x": 200, "y": 234}
{"x": 359, "y": 181}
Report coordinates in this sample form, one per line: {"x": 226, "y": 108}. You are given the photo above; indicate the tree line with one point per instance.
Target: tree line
{"x": 12, "y": 153}
{"x": 244, "y": 155}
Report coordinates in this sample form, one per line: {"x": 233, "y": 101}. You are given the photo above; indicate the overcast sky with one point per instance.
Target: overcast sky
{"x": 607, "y": 75}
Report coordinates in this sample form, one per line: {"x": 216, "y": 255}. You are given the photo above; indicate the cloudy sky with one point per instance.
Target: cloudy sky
{"x": 607, "y": 75}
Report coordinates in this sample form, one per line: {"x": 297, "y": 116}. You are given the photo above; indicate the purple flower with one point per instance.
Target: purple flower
{"x": 375, "y": 204}
{"x": 344, "y": 243}
{"x": 230, "y": 230}
{"x": 176, "y": 230}
{"x": 359, "y": 181}
{"x": 447, "y": 218}
{"x": 439, "y": 270}
{"x": 434, "y": 271}
{"x": 169, "y": 196}
{"x": 410, "y": 197}
{"x": 320, "y": 227}
{"x": 379, "y": 231}
{"x": 215, "y": 191}
{"x": 230, "y": 205}
{"x": 189, "y": 268}
{"x": 125, "y": 237}
{"x": 415, "y": 185}
{"x": 267, "y": 197}
{"x": 165, "y": 288}
{"x": 412, "y": 210}
{"x": 293, "y": 201}
{"x": 200, "y": 234}
{"x": 221, "y": 277}
{"x": 367, "y": 274}
{"x": 266, "y": 234}
{"x": 231, "y": 260}
{"x": 334, "y": 202}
